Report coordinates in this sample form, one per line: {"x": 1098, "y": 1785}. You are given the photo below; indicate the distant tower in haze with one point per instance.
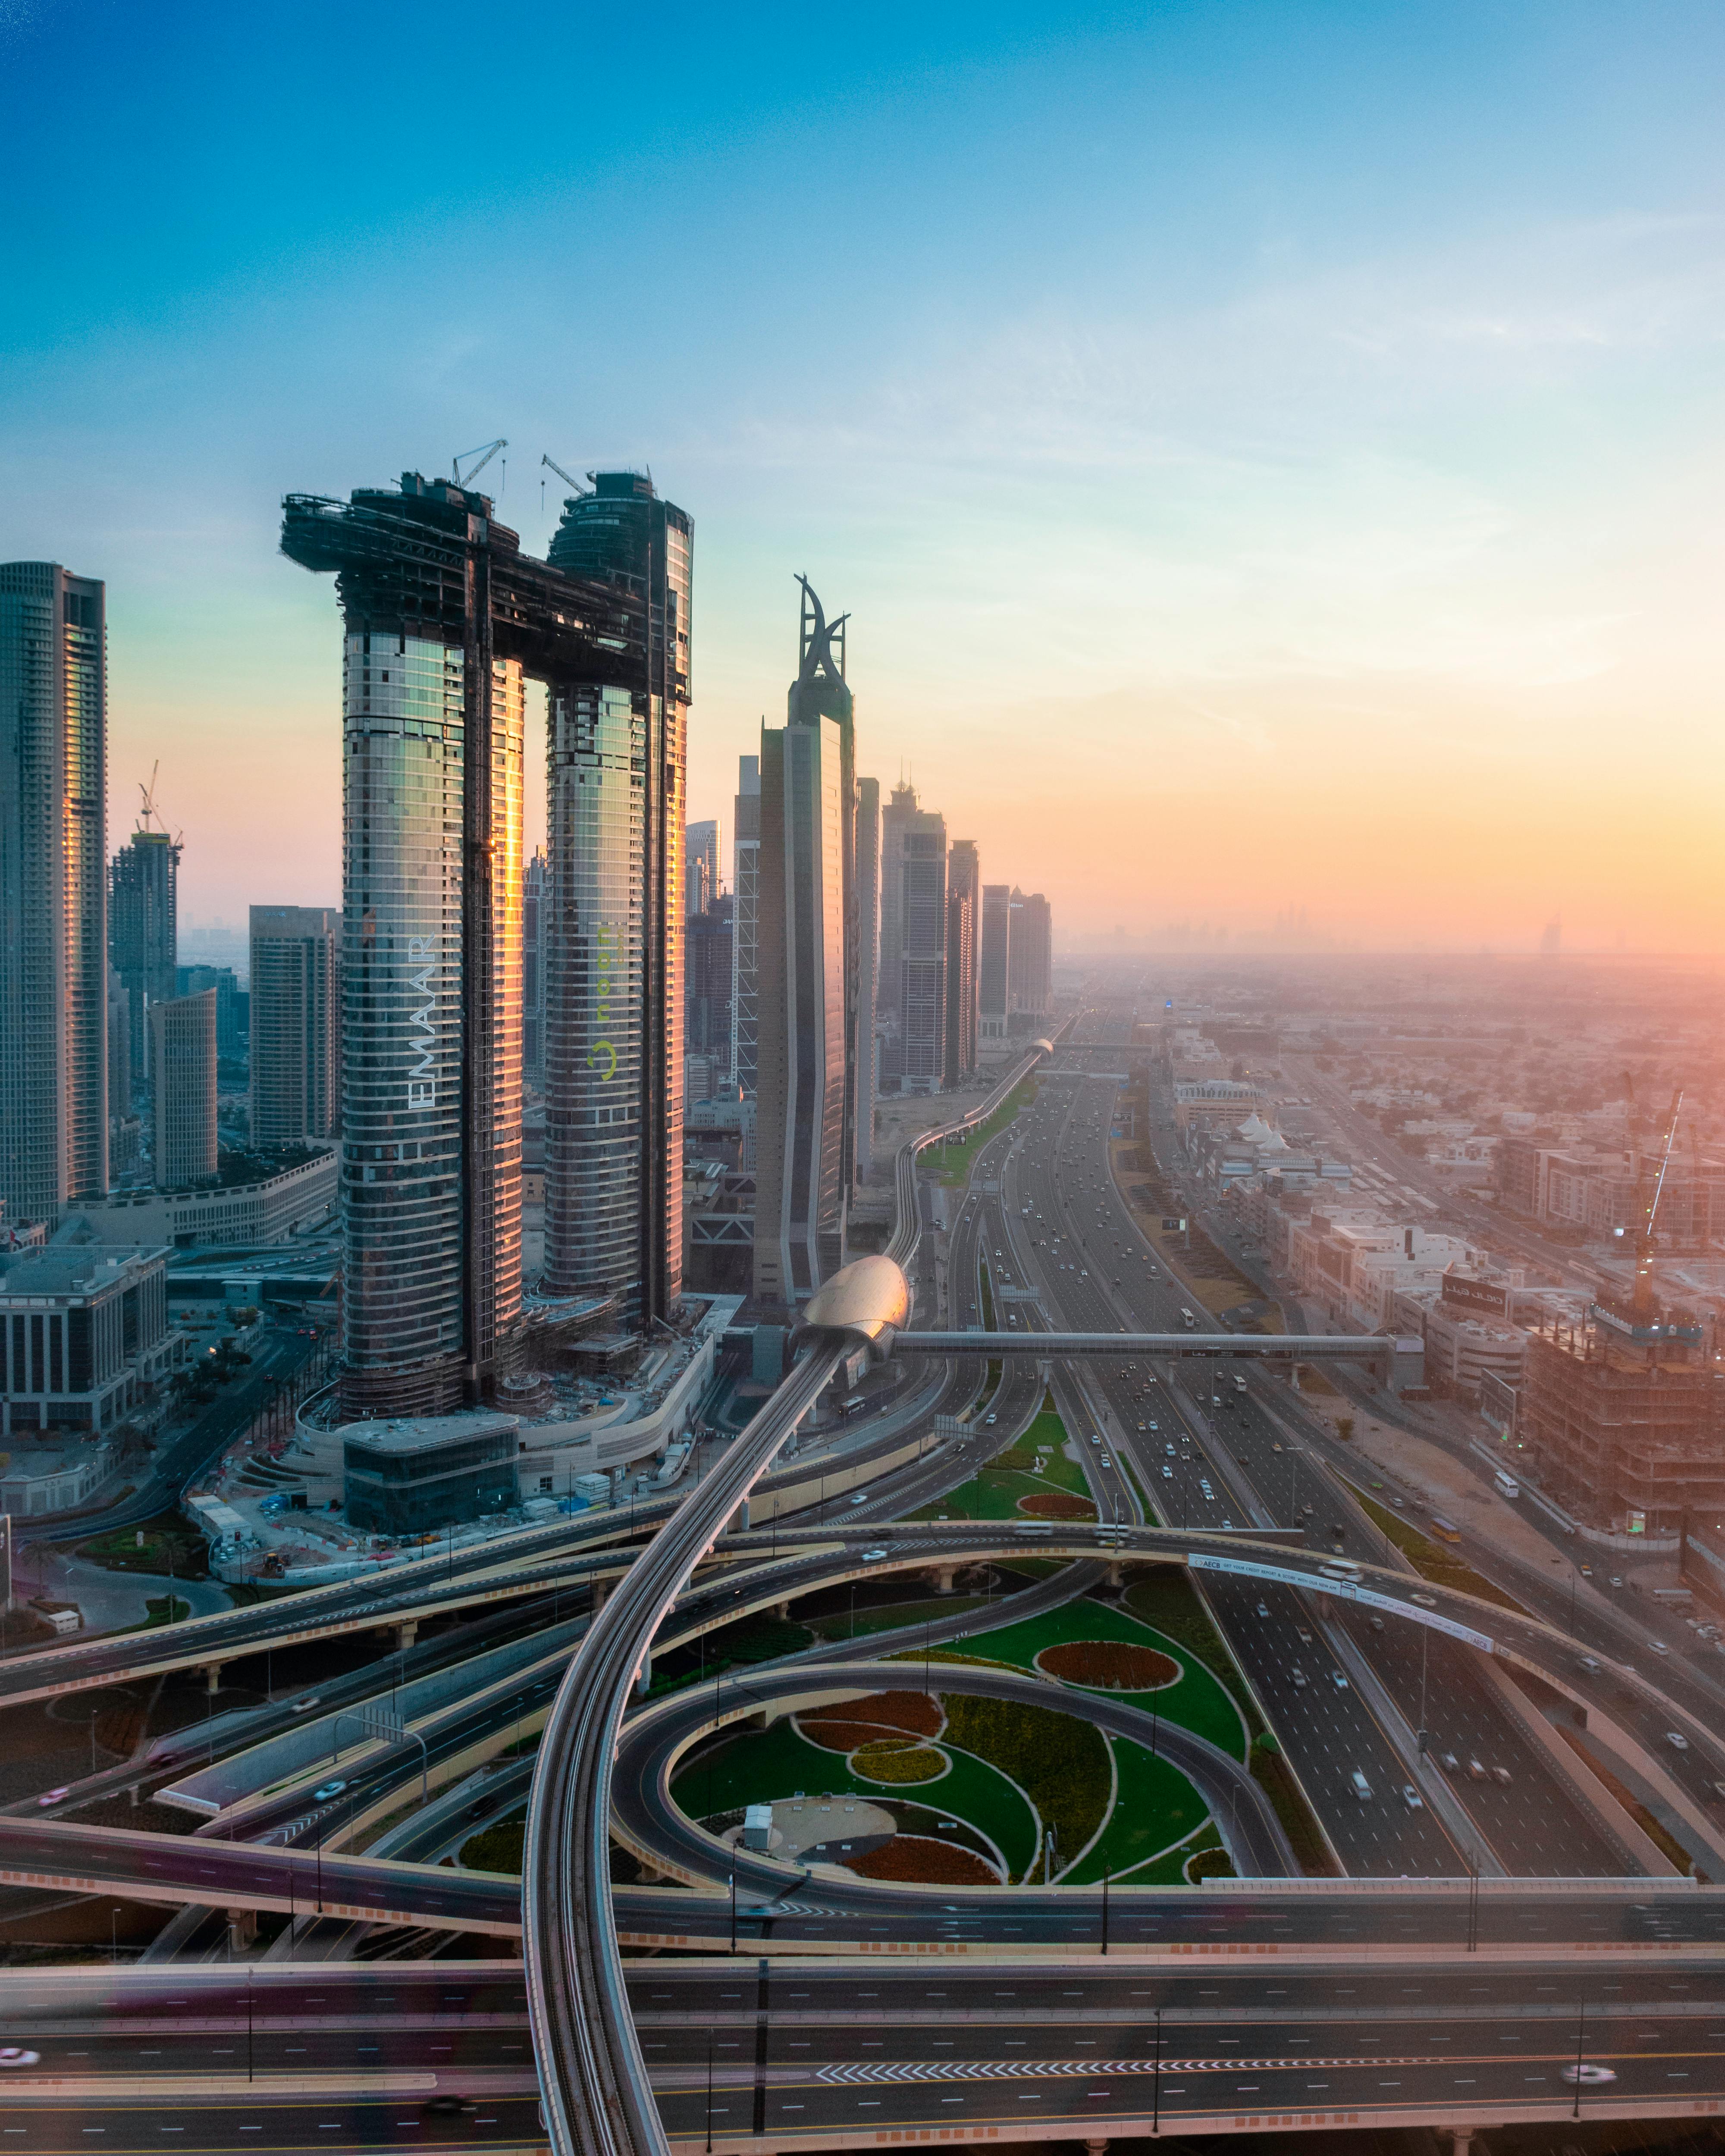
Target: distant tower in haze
{"x": 1551, "y": 939}
{"x": 863, "y": 1052}
{"x": 965, "y": 905}
{"x": 805, "y": 1146}
{"x": 1030, "y": 966}
{"x": 143, "y": 923}
{"x": 53, "y": 912}
{"x": 745, "y": 926}
{"x": 701, "y": 854}
{"x": 994, "y": 963}
{"x": 183, "y": 1056}
{"x": 913, "y": 944}
{"x": 296, "y": 1025}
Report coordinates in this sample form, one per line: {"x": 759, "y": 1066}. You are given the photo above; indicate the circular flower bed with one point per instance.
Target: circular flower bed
{"x": 1057, "y": 1505}
{"x": 1108, "y": 1665}
{"x": 920, "y": 1859}
{"x": 858, "y": 1722}
{"x": 897, "y": 1760}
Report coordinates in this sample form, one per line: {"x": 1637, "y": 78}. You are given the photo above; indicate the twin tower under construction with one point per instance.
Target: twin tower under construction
{"x": 445, "y": 620}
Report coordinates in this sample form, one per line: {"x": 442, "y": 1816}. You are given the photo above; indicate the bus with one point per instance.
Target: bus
{"x": 1239, "y": 1385}
{"x": 1446, "y": 1530}
{"x": 1188, "y": 1320}
{"x": 1507, "y": 1485}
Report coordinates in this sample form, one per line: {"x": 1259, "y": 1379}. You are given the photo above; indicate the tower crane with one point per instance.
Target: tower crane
{"x": 484, "y": 452}
{"x": 1641, "y": 1297}
{"x": 573, "y": 484}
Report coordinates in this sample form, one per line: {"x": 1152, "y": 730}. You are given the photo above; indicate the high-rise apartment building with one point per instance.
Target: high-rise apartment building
{"x": 536, "y": 913}
{"x": 182, "y": 1058}
{"x": 864, "y": 1052}
{"x": 444, "y": 620}
{"x": 143, "y": 931}
{"x": 708, "y": 967}
{"x": 805, "y": 1147}
{"x": 965, "y": 905}
{"x": 54, "y": 914}
{"x": 700, "y": 856}
{"x": 993, "y": 967}
{"x": 1030, "y": 960}
{"x": 913, "y": 944}
{"x": 120, "y": 1063}
{"x": 614, "y": 1051}
{"x": 296, "y": 1025}
{"x": 233, "y": 1019}
{"x": 745, "y": 925}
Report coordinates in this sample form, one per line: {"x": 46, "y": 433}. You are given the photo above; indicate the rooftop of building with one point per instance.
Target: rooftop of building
{"x": 427, "y": 1433}
{"x": 75, "y": 1261}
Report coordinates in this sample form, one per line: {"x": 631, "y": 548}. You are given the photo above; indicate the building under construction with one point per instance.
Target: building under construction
{"x": 1623, "y": 1421}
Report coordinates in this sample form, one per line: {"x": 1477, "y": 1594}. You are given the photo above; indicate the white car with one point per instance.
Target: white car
{"x": 873, "y": 1557}
{"x": 1167, "y": 1474}
{"x": 1412, "y": 1798}
{"x": 15, "y": 2054}
{"x": 1659, "y": 1646}
{"x": 1677, "y": 1741}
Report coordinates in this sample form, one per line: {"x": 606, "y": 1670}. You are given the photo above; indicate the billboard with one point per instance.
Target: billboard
{"x": 1485, "y": 1298}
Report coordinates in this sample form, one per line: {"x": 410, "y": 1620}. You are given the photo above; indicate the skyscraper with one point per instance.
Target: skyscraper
{"x": 709, "y": 967}
{"x": 745, "y": 925}
{"x": 805, "y": 1144}
{"x": 993, "y": 966}
{"x": 701, "y": 853}
{"x": 536, "y": 914}
{"x": 1031, "y": 971}
{"x": 183, "y": 1056}
{"x": 54, "y": 915}
{"x": 913, "y": 944}
{"x": 445, "y": 617}
{"x": 296, "y": 1025}
{"x": 614, "y": 1051}
{"x": 143, "y": 929}
{"x": 964, "y": 900}
{"x": 864, "y": 1053}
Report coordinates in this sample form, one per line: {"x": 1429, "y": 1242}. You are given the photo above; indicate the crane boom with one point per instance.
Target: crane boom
{"x": 484, "y": 452}
{"x": 1643, "y": 1240}
{"x": 566, "y": 477}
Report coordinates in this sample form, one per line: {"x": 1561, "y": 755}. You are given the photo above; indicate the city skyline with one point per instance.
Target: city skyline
{"x": 1334, "y": 509}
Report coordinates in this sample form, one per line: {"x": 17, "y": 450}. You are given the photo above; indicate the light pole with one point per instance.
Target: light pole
{"x": 1580, "y": 2043}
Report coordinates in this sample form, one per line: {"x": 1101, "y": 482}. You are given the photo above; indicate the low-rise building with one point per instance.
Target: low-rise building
{"x": 268, "y": 1210}
{"x": 85, "y": 1338}
{"x": 412, "y": 1476}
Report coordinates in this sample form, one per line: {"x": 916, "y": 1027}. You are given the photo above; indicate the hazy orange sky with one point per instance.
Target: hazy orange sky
{"x": 1271, "y": 454}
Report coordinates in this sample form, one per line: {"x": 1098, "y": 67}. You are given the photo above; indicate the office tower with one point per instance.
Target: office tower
{"x": 296, "y": 1025}
{"x": 913, "y": 944}
{"x": 536, "y": 914}
{"x": 614, "y": 1050}
{"x": 1030, "y": 960}
{"x": 964, "y": 901}
{"x": 701, "y": 854}
{"x": 53, "y": 925}
{"x": 868, "y": 968}
{"x": 119, "y": 1052}
{"x": 143, "y": 927}
{"x": 745, "y": 925}
{"x": 182, "y": 1057}
{"x": 708, "y": 967}
{"x": 805, "y": 1147}
{"x": 994, "y": 963}
{"x": 233, "y": 1021}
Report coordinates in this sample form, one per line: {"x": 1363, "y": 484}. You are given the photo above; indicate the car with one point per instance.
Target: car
{"x": 1300, "y": 1677}
{"x": 1425, "y": 1601}
{"x": 1106, "y": 1461}
{"x": 1475, "y": 1771}
{"x": 1587, "y": 1572}
{"x": 1275, "y": 1445}
{"x": 1501, "y": 1775}
{"x": 860, "y": 1498}
{"x": 305, "y": 1705}
{"x": 446, "y": 2106}
{"x": 1305, "y": 1637}
{"x": 1339, "y": 1681}
{"x": 15, "y": 2054}
{"x": 1361, "y": 1787}
{"x": 998, "y": 1254}
{"x": 1242, "y": 1458}
{"x": 1412, "y": 1798}
{"x": 1677, "y": 1741}
{"x": 53, "y": 1796}
{"x": 1450, "y": 1764}
{"x": 1143, "y": 1426}
{"x": 1094, "y": 1439}
{"x": 1377, "y": 1624}
{"x": 990, "y": 1421}
{"x": 1167, "y": 1473}
{"x": 1263, "y": 1609}
{"x": 1616, "y": 1580}
{"x": 873, "y": 1557}
{"x": 1590, "y": 1663}
{"x": 1659, "y": 1646}
{"x": 1589, "y": 2076}
{"x": 325, "y": 1791}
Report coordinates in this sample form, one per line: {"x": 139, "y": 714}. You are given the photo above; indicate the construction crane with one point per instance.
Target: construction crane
{"x": 149, "y": 808}
{"x": 484, "y": 452}
{"x": 1641, "y": 1302}
{"x": 573, "y": 484}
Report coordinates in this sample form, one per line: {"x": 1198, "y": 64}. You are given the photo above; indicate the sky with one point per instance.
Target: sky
{"x": 1271, "y": 454}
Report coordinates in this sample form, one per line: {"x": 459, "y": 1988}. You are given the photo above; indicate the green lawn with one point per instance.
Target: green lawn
{"x": 1198, "y": 1701}
{"x": 994, "y": 1492}
{"x": 952, "y": 1162}
{"x": 1154, "y": 1804}
{"x": 1169, "y": 1870}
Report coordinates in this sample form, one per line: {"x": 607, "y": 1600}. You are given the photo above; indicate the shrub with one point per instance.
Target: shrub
{"x": 1061, "y": 1764}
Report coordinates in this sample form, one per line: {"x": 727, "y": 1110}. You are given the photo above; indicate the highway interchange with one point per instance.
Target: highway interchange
{"x": 1013, "y": 2029}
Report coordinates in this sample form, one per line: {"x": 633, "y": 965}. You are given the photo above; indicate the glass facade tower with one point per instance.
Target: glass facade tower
{"x": 54, "y": 915}
{"x": 613, "y": 940}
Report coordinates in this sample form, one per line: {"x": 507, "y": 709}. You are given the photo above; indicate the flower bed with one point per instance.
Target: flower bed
{"x": 1108, "y": 1665}
{"x": 922, "y": 1862}
{"x": 899, "y": 1760}
{"x": 1057, "y": 1505}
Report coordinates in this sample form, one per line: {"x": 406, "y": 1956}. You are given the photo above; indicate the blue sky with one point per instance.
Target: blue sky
{"x": 1272, "y": 454}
